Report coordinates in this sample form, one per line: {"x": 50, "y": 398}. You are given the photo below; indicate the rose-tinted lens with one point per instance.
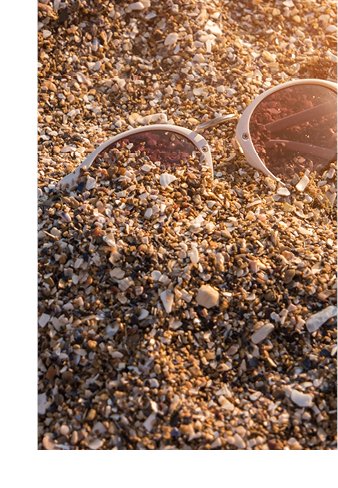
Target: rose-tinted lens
{"x": 295, "y": 129}
{"x": 167, "y": 147}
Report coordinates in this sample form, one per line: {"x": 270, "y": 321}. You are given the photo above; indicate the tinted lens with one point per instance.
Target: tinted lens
{"x": 167, "y": 147}
{"x": 295, "y": 128}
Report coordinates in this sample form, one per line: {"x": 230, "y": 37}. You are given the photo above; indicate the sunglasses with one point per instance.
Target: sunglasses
{"x": 286, "y": 130}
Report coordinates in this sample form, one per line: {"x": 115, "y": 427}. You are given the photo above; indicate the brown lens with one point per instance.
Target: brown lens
{"x": 295, "y": 129}
{"x": 167, "y": 147}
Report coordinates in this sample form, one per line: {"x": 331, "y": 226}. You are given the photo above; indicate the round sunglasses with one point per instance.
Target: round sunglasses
{"x": 286, "y": 130}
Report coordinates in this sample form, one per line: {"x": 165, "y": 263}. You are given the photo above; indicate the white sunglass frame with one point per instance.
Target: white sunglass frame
{"x": 197, "y": 140}
{"x": 242, "y": 135}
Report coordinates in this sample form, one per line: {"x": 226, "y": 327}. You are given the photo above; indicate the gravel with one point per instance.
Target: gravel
{"x": 180, "y": 315}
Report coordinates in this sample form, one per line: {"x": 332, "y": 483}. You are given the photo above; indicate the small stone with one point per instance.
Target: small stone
{"x": 302, "y": 184}
{"x": 166, "y": 179}
{"x": 136, "y": 6}
{"x": 143, "y": 314}
{"x": 74, "y": 438}
{"x": 134, "y": 118}
{"x": 42, "y": 404}
{"x": 270, "y": 183}
{"x": 225, "y": 404}
{"x": 82, "y": 79}
{"x": 95, "y": 66}
{"x": 262, "y": 333}
{"x": 216, "y": 444}
{"x": 64, "y": 429}
{"x": 146, "y": 168}
{"x": 150, "y": 422}
{"x": 271, "y": 58}
{"x": 171, "y": 39}
{"x": 159, "y": 118}
{"x": 148, "y": 213}
{"x": 91, "y": 344}
{"x": 117, "y": 273}
{"x": 49, "y": 85}
{"x": 176, "y": 324}
{"x": 91, "y": 183}
{"x": 318, "y": 319}
{"x": 213, "y": 28}
{"x": 153, "y": 383}
{"x": 44, "y": 319}
{"x": 194, "y": 255}
{"x": 95, "y": 444}
{"x": 67, "y": 149}
{"x": 167, "y": 299}
{"x": 207, "y": 296}
{"x": 198, "y": 92}
{"x": 48, "y": 443}
{"x": 301, "y": 399}
{"x": 332, "y": 57}
{"x": 282, "y": 191}
{"x": 91, "y": 414}
{"x": 239, "y": 442}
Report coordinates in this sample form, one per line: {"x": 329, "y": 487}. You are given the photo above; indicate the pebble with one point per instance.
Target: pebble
{"x": 302, "y": 184}
{"x": 143, "y": 314}
{"x": 283, "y": 191}
{"x": 81, "y": 78}
{"x": 171, "y": 39}
{"x": 150, "y": 422}
{"x": 166, "y": 179}
{"x": 271, "y": 58}
{"x": 95, "y": 444}
{"x": 262, "y": 333}
{"x": 156, "y": 275}
{"x": 64, "y": 429}
{"x": 225, "y": 404}
{"x": 207, "y": 296}
{"x": 44, "y": 319}
{"x": 167, "y": 299}
{"x": 42, "y": 404}
{"x": 159, "y": 118}
{"x": 146, "y": 168}
{"x": 239, "y": 442}
{"x": 318, "y": 319}
{"x": 91, "y": 183}
{"x": 153, "y": 383}
{"x": 213, "y": 28}
{"x": 136, "y": 6}
{"x": 301, "y": 399}
{"x": 148, "y": 213}
{"x": 194, "y": 254}
{"x": 48, "y": 443}
{"x": 67, "y": 149}
{"x": 91, "y": 414}
{"x": 216, "y": 444}
{"x": 117, "y": 273}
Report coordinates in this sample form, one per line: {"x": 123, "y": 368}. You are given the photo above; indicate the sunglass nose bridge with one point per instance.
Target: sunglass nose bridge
{"x": 214, "y": 122}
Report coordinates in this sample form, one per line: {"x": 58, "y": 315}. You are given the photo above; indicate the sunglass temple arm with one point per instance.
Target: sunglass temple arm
{"x": 214, "y": 122}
